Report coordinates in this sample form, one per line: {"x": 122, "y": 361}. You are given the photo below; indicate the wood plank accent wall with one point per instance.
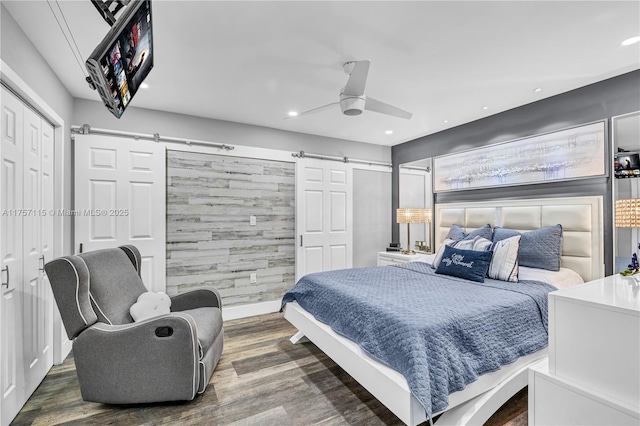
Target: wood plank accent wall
{"x": 210, "y": 242}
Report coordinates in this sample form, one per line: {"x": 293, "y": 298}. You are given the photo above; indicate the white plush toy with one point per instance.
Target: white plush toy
{"x": 150, "y": 305}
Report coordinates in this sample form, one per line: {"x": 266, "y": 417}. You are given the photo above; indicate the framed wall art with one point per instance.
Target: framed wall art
{"x": 573, "y": 153}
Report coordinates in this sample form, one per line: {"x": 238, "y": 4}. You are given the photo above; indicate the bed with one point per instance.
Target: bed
{"x": 477, "y": 397}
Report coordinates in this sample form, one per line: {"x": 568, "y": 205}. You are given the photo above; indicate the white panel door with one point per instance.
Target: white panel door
{"x": 120, "y": 198}
{"x": 324, "y": 210}
{"x": 37, "y": 313}
{"x": 11, "y": 152}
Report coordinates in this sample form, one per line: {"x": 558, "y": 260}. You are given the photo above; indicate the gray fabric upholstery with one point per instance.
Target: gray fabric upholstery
{"x": 166, "y": 358}
{"x": 134, "y": 256}
{"x": 201, "y": 297}
{"x": 129, "y": 364}
{"x": 71, "y": 292}
{"x": 209, "y": 361}
{"x": 208, "y": 322}
{"x": 119, "y": 284}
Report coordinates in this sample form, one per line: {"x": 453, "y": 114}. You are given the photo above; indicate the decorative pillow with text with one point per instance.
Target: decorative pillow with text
{"x": 468, "y": 264}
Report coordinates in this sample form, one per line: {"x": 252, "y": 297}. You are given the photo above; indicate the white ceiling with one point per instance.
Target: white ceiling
{"x": 252, "y": 62}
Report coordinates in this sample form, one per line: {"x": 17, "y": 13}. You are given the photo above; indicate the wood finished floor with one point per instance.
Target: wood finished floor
{"x": 262, "y": 379}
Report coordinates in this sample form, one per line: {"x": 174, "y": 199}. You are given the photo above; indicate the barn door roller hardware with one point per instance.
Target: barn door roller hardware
{"x": 109, "y": 8}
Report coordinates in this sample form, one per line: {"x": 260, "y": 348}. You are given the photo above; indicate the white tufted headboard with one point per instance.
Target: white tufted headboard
{"x": 581, "y": 219}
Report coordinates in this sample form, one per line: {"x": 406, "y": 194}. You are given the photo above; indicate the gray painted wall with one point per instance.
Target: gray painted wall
{"x": 210, "y": 241}
{"x": 599, "y": 101}
{"x": 371, "y": 215}
{"x": 17, "y": 51}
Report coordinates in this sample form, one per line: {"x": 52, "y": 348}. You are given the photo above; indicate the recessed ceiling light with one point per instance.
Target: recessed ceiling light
{"x": 485, "y": 107}
{"x": 537, "y": 89}
{"x": 445, "y": 121}
{"x": 388, "y": 132}
{"x": 293, "y": 113}
{"x": 630, "y": 41}
{"x": 144, "y": 86}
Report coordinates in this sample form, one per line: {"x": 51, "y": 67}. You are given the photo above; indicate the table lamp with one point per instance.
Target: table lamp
{"x": 410, "y": 216}
{"x": 628, "y": 216}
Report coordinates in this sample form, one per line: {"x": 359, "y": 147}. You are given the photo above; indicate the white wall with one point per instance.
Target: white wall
{"x": 149, "y": 121}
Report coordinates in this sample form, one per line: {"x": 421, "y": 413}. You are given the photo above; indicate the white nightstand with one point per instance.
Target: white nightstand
{"x": 593, "y": 373}
{"x": 395, "y": 257}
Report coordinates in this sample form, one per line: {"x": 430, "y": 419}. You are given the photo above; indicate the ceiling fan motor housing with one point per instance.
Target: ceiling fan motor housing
{"x": 352, "y": 105}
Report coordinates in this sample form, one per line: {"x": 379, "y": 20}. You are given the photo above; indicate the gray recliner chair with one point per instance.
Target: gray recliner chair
{"x": 118, "y": 361}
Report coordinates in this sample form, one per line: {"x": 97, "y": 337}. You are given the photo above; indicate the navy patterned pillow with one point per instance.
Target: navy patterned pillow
{"x": 456, "y": 233}
{"x": 540, "y": 248}
{"x": 469, "y": 264}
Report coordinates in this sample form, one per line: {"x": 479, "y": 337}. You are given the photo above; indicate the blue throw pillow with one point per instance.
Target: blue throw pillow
{"x": 456, "y": 233}
{"x": 540, "y": 248}
{"x": 469, "y": 264}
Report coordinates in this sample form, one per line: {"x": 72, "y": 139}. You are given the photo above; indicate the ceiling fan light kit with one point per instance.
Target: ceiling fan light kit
{"x": 351, "y": 105}
{"x": 353, "y": 100}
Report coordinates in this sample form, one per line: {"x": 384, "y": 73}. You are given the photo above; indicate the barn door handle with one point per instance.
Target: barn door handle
{"x": 80, "y": 251}
{"x": 6, "y": 269}
{"x": 300, "y": 240}
{"x": 41, "y": 268}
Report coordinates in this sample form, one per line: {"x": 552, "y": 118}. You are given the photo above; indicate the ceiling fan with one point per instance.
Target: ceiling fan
{"x": 353, "y": 100}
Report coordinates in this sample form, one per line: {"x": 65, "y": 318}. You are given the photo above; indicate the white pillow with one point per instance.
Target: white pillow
{"x": 477, "y": 243}
{"x": 440, "y": 253}
{"x": 504, "y": 263}
{"x": 149, "y": 305}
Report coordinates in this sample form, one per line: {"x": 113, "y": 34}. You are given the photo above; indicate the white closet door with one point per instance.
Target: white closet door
{"x": 11, "y": 370}
{"x": 324, "y": 216}
{"x": 120, "y": 198}
{"x": 37, "y": 311}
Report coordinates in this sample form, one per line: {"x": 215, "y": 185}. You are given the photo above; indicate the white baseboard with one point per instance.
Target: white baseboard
{"x": 243, "y": 311}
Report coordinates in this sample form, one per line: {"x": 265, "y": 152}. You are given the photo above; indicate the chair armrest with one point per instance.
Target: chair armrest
{"x": 148, "y": 361}
{"x": 199, "y": 298}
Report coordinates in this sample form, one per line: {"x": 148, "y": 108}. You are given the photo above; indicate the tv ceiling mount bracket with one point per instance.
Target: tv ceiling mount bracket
{"x": 109, "y": 8}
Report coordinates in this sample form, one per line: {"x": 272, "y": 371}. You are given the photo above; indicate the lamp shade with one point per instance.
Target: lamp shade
{"x": 628, "y": 213}
{"x": 413, "y": 215}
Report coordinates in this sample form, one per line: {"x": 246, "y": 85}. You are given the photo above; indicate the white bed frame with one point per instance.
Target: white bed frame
{"x": 581, "y": 218}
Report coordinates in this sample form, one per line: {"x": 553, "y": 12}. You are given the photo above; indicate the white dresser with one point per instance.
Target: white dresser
{"x": 592, "y": 376}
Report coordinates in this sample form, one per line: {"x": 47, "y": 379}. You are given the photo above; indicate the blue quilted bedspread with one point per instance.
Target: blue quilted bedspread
{"x": 440, "y": 332}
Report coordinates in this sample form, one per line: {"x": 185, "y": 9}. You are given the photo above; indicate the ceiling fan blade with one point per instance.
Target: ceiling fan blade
{"x": 312, "y": 111}
{"x": 357, "y": 78}
{"x": 384, "y": 108}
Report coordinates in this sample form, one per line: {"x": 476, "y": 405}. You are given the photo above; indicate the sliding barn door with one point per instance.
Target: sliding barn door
{"x": 324, "y": 210}
{"x": 120, "y": 198}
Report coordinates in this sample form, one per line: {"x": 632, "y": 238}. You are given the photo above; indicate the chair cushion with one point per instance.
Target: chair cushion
{"x": 208, "y": 323}
{"x": 114, "y": 284}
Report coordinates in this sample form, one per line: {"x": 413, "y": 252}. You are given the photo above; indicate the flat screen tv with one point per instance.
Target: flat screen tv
{"x": 627, "y": 165}
{"x": 124, "y": 58}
